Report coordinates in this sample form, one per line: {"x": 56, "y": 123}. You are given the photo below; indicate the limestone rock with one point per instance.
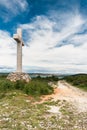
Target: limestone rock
{"x": 18, "y": 76}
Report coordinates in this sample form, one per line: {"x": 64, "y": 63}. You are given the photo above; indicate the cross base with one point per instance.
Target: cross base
{"x": 18, "y": 76}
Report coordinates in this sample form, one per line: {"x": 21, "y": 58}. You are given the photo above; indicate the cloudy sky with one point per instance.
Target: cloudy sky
{"x": 54, "y": 33}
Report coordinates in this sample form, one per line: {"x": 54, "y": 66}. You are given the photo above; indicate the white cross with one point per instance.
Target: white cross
{"x": 18, "y": 38}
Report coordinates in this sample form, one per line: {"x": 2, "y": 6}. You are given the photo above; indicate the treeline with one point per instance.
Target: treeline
{"x": 48, "y": 78}
{"x": 3, "y": 75}
{"x": 79, "y": 80}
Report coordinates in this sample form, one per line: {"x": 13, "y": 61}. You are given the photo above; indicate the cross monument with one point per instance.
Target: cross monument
{"x": 18, "y": 38}
{"x": 19, "y": 75}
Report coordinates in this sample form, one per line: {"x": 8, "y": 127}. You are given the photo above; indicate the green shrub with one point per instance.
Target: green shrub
{"x": 37, "y": 88}
{"x": 6, "y": 85}
{"x": 20, "y": 84}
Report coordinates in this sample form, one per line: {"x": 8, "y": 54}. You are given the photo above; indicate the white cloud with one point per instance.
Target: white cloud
{"x": 7, "y": 50}
{"x": 12, "y": 8}
{"x": 44, "y": 42}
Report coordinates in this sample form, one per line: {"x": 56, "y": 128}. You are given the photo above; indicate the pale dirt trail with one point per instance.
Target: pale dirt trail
{"x": 65, "y": 91}
{"x": 72, "y": 94}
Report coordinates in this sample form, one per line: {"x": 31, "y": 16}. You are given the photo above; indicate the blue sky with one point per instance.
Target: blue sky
{"x": 54, "y": 33}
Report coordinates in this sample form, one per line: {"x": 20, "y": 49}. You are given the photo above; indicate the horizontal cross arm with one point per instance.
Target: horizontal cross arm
{"x": 18, "y": 39}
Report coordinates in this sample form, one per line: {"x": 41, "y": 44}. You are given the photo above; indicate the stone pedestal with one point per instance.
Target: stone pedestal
{"x": 18, "y": 76}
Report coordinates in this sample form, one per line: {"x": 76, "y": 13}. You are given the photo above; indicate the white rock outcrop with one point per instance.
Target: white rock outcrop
{"x": 18, "y": 76}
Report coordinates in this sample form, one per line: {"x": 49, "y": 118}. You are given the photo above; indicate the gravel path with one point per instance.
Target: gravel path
{"x": 70, "y": 93}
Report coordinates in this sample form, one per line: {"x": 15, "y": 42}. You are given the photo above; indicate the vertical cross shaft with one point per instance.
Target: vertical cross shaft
{"x": 19, "y": 52}
{"x": 18, "y": 38}
{"x": 19, "y": 57}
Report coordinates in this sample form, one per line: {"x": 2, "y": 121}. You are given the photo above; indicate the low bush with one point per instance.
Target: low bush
{"x": 6, "y": 85}
{"x": 19, "y": 84}
{"x": 36, "y": 87}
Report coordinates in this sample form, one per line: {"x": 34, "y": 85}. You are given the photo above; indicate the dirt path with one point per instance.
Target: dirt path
{"x": 65, "y": 91}
{"x": 73, "y": 94}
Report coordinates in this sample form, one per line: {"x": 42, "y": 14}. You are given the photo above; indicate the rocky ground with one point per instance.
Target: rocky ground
{"x": 66, "y": 109}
